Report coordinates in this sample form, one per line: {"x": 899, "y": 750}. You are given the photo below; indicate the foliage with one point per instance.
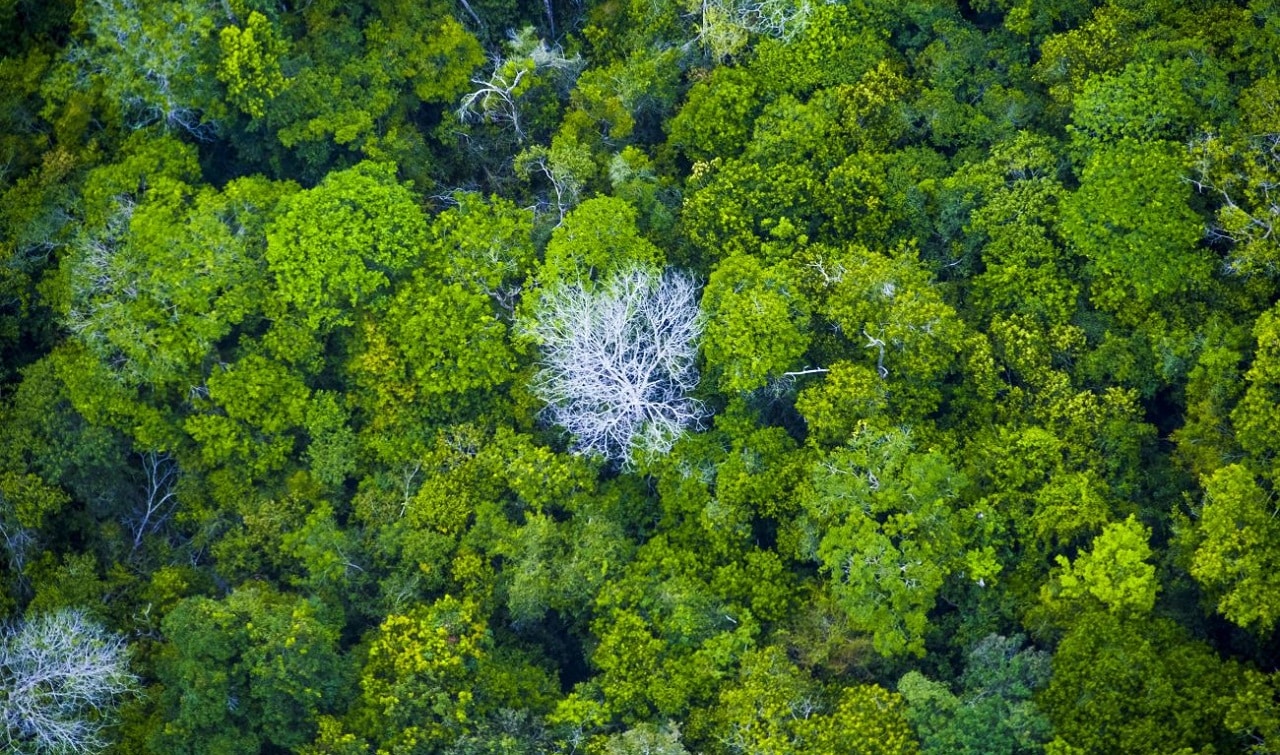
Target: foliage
{"x": 640, "y": 376}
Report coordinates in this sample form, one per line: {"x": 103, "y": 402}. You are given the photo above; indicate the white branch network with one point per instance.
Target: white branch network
{"x": 60, "y": 674}
{"x": 159, "y": 496}
{"x": 619, "y": 362}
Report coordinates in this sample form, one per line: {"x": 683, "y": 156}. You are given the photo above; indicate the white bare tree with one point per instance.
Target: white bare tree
{"x": 618, "y": 362}
{"x": 61, "y": 675}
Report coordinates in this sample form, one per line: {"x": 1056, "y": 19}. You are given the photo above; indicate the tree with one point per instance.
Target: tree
{"x": 1114, "y": 571}
{"x": 501, "y": 98}
{"x": 1132, "y": 219}
{"x": 882, "y": 520}
{"x": 254, "y": 668}
{"x": 757, "y": 324}
{"x": 1136, "y": 685}
{"x": 154, "y": 291}
{"x": 994, "y": 714}
{"x": 774, "y": 708}
{"x": 727, "y": 25}
{"x": 419, "y": 685}
{"x": 618, "y": 362}
{"x": 1242, "y": 174}
{"x": 1238, "y": 558}
{"x": 155, "y": 62}
{"x": 336, "y": 247}
{"x": 61, "y": 675}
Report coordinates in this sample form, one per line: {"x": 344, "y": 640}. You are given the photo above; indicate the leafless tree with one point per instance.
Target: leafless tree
{"x": 159, "y": 496}
{"x": 61, "y": 674}
{"x": 497, "y": 98}
{"x": 618, "y": 362}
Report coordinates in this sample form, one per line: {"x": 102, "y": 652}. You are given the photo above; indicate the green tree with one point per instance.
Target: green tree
{"x": 1114, "y": 572}
{"x": 1235, "y": 556}
{"x": 417, "y": 690}
{"x": 757, "y": 323}
{"x": 252, "y": 670}
{"x": 1136, "y": 685}
{"x": 882, "y": 520}
{"x": 994, "y": 713}
{"x": 1132, "y": 220}
{"x": 335, "y": 249}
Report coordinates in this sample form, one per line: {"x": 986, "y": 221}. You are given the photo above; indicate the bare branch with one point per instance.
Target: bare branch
{"x": 59, "y": 674}
{"x": 619, "y": 362}
{"x": 158, "y": 496}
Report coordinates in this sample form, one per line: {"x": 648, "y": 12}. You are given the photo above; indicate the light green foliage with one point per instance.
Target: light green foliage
{"x": 426, "y": 47}
{"x": 1237, "y": 557}
{"x": 415, "y": 690}
{"x": 974, "y": 86}
{"x": 448, "y": 337}
{"x": 1142, "y": 102}
{"x": 847, "y": 395}
{"x": 647, "y": 739}
{"x": 155, "y": 291}
{"x": 332, "y": 450}
{"x": 1254, "y": 711}
{"x": 1114, "y": 572}
{"x": 1131, "y": 219}
{"x": 613, "y": 97}
{"x": 1068, "y": 60}
{"x": 250, "y": 63}
{"x": 838, "y": 45}
{"x": 727, "y": 26}
{"x": 522, "y": 86}
{"x": 893, "y": 327}
{"x": 881, "y": 520}
{"x": 874, "y": 198}
{"x": 360, "y": 76}
{"x": 1255, "y": 416}
{"x": 486, "y": 245}
{"x": 864, "y": 719}
{"x": 335, "y": 248}
{"x": 756, "y": 323}
{"x": 888, "y": 306}
{"x": 774, "y": 708}
{"x": 670, "y": 628}
{"x": 772, "y": 191}
{"x": 1135, "y": 686}
{"x": 1018, "y": 192}
{"x": 33, "y": 221}
{"x": 717, "y": 115}
{"x": 251, "y": 416}
{"x": 596, "y": 241}
{"x": 1214, "y": 386}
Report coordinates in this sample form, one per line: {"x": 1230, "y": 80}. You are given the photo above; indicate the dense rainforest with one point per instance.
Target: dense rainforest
{"x": 639, "y": 377}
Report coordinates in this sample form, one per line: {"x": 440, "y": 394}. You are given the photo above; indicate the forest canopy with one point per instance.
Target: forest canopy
{"x": 639, "y": 377}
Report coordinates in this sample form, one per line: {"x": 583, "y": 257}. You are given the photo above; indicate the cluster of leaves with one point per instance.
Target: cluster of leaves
{"x": 639, "y": 376}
